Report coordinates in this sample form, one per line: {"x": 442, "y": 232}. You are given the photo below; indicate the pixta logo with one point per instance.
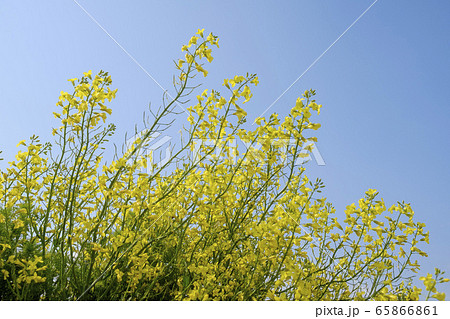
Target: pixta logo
{"x": 157, "y": 150}
{"x": 253, "y": 150}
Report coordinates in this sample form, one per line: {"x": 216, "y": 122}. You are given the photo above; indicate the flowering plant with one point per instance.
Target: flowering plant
{"x": 245, "y": 225}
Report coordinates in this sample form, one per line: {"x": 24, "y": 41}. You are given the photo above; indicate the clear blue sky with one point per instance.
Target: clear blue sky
{"x": 384, "y": 85}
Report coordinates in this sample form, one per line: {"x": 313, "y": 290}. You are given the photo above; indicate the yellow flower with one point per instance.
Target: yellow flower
{"x": 439, "y": 296}
{"x": 88, "y": 74}
{"x": 429, "y": 282}
{"x": 200, "y": 69}
{"x": 210, "y": 38}
{"x": 5, "y": 274}
{"x": 200, "y": 32}
{"x": 240, "y": 113}
{"x": 18, "y": 224}
{"x": 119, "y": 274}
{"x": 192, "y": 41}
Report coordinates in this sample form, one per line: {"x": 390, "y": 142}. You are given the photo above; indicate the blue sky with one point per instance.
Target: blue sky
{"x": 384, "y": 85}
